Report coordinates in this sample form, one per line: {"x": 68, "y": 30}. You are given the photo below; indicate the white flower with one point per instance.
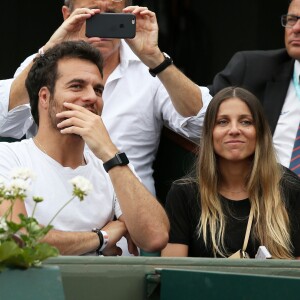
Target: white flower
{"x": 19, "y": 184}
{"x": 82, "y": 184}
{"x": 18, "y": 188}
{"x": 22, "y": 173}
{"x": 3, "y": 224}
{"x": 3, "y": 228}
{"x": 81, "y": 187}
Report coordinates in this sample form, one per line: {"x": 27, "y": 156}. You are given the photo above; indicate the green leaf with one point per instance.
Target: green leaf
{"x": 13, "y": 226}
{"x": 44, "y": 251}
{"x": 34, "y": 256}
{"x": 8, "y": 250}
{"x": 13, "y": 256}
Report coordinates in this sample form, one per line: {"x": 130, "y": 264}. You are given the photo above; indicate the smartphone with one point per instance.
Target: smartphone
{"x": 111, "y": 25}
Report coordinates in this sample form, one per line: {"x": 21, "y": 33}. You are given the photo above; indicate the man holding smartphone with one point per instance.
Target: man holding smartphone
{"x": 143, "y": 89}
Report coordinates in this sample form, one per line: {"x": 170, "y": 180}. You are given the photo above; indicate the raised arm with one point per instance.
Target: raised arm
{"x": 71, "y": 29}
{"x": 185, "y": 94}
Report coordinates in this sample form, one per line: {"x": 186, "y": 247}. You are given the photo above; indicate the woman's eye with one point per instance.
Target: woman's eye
{"x": 246, "y": 122}
{"x": 222, "y": 122}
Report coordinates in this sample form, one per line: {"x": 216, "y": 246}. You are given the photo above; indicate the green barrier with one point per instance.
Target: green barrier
{"x": 144, "y": 253}
{"x": 190, "y": 285}
{"x": 32, "y": 284}
{"x": 133, "y": 278}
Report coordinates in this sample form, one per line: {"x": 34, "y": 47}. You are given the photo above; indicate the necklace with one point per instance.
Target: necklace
{"x": 83, "y": 163}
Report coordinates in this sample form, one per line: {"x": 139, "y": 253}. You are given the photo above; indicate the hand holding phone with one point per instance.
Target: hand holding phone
{"x": 111, "y": 25}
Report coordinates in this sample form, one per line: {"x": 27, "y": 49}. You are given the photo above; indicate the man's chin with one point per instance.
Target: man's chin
{"x": 294, "y": 52}
{"x": 79, "y": 137}
{"x": 74, "y": 136}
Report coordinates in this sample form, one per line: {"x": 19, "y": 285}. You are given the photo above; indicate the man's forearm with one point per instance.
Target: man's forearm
{"x": 185, "y": 95}
{"x": 72, "y": 243}
{"x": 18, "y": 93}
{"x": 143, "y": 215}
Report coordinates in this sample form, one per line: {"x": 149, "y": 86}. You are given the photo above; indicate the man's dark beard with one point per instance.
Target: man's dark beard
{"x": 54, "y": 109}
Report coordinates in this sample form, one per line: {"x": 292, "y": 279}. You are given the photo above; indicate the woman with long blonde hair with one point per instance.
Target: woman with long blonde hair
{"x": 236, "y": 173}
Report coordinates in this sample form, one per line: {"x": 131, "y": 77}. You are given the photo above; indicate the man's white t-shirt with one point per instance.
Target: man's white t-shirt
{"x": 52, "y": 183}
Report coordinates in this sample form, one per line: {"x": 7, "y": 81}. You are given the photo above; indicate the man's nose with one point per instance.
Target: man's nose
{"x": 109, "y": 5}
{"x": 104, "y": 5}
{"x": 296, "y": 27}
{"x": 90, "y": 95}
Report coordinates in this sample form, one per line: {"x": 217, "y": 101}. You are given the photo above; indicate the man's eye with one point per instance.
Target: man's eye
{"x": 99, "y": 92}
{"x": 291, "y": 19}
{"x": 76, "y": 86}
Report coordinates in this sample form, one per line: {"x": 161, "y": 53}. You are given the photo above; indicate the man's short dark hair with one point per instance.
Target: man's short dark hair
{"x": 44, "y": 69}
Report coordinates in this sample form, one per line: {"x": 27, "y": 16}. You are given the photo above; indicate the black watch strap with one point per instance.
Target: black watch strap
{"x": 120, "y": 159}
{"x": 167, "y": 62}
{"x": 100, "y": 236}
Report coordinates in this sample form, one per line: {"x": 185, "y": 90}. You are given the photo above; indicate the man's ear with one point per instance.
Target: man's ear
{"x": 65, "y": 12}
{"x": 44, "y": 97}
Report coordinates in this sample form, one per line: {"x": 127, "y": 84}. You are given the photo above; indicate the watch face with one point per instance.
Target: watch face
{"x": 123, "y": 158}
{"x": 120, "y": 159}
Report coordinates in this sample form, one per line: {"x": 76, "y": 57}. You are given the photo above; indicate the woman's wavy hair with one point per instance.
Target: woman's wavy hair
{"x": 271, "y": 222}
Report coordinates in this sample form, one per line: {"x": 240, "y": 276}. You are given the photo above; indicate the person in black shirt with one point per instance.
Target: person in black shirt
{"x": 236, "y": 172}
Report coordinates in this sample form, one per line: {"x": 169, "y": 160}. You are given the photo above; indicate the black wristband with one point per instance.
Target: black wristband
{"x": 120, "y": 159}
{"x": 167, "y": 62}
{"x": 100, "y": 236}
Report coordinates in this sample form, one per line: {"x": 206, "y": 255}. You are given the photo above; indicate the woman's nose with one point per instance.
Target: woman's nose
{"x": 234, "y": 128}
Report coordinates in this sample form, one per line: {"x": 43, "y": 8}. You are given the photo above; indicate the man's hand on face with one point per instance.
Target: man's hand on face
{"x": 89, "y": 125}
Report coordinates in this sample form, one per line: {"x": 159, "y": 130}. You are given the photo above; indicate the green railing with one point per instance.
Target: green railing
{"x": 133, "y": 278}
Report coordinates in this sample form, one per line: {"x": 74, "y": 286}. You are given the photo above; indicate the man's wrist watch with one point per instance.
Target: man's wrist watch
{"x": 103, "y": 239}
{"x": 167, "y": 62}
{"x": 120, "y": 159}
